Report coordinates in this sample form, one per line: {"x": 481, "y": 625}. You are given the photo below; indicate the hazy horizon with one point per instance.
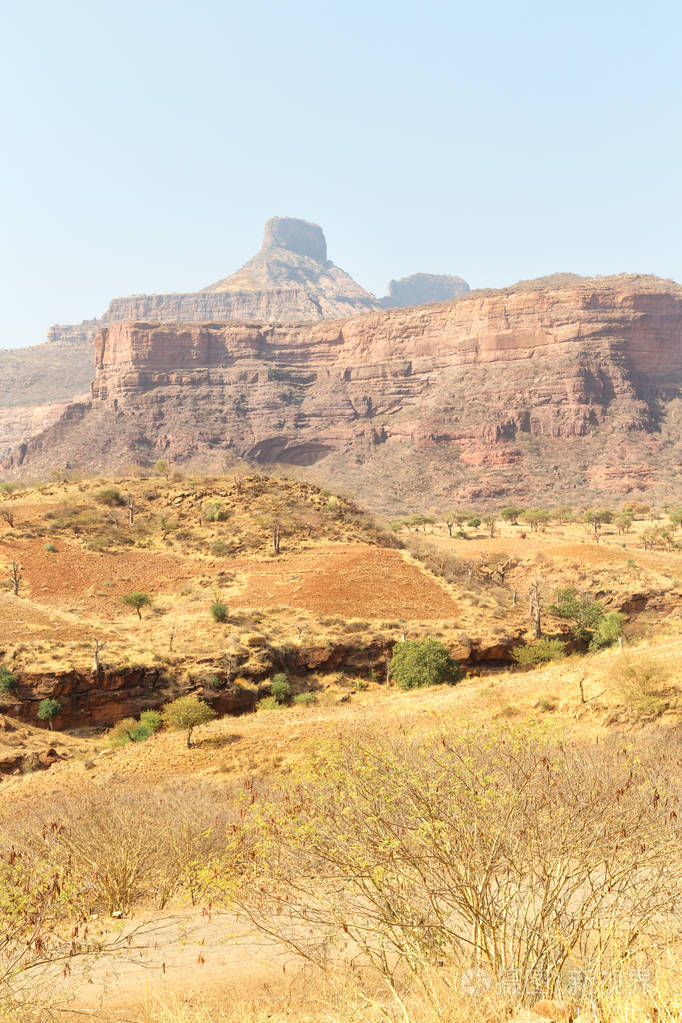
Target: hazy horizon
{"x": 147, "y": 146}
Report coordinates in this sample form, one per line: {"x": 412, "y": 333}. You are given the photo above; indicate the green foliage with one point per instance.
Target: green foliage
{"x": 608, "y": 630}
{"x": 48, "y": 709}
{"x": 129, "y": 730}
{"x": 161, "y": 467}
{"x": 537, "y": 519}
{"x": 305, "y": 699}
{"x": 423, "y": 662}
{"x": 219, "y": 610}
{"x": 111, "y": 497}
{"x": 136, "y": 601}
{"x": 213, "y": 511}
{"x": 532, "y": 654}
{"x": 269, "y": 703}
{"x": 187, "y": 713}
{"x": 281, "y": 688}
{"x": 8, "y": 681}
{"x": 50, "y": 547}
{"x": 584, "y": 613}
{"x": 675, "y": 517}
{"x": 511, "y": 514}
{"x": 474, "y": 522}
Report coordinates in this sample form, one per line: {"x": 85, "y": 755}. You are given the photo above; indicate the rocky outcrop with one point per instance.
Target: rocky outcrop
{"x": 548, "y": 389}
{"x": 422, "y": 289}
{"x": 289, "y": 280}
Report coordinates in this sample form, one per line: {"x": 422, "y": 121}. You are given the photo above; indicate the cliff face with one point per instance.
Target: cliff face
{"x": 421, "y": 289}
{"x": 550, "y": 388}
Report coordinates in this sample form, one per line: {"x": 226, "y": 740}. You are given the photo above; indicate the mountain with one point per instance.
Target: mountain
{"x": 563, "y": 387}
{"x": 290, "y": 279}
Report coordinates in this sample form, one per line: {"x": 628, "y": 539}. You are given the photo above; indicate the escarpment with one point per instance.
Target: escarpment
{"x": 555, "y": 387}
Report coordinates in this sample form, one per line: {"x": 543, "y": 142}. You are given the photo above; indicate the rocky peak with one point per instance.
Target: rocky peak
{"x": 299, "y": 236}
{"x": 421, "y": 289}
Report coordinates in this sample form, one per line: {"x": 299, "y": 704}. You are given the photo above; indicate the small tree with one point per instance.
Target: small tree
{"x": 281, "y": 688}
{"x": 8, "y": 681}
{"x": 8, "y": 515}
{"x": 16, "y": 576}
{"x": 187, "y": 713}
{"x": 609, "y": 630}
{"x": 424, "y": 662}
{"x": 511, "y": 515}
{"x": 161, "y": 467}
{"x": 583, "y": 612}
{"x": 137, "y": 601}
{"x": 48, "y": 709}
{"x": 490, "y": 524}
{"x": 535, "y": 605}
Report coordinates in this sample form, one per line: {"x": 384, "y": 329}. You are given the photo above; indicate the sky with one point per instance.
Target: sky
{"x": 145, "y": 144}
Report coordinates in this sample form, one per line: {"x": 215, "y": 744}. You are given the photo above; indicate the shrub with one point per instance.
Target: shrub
{"x": 305, "y": 699}
{"x": 48, "y": 710}
{"x": 50, "y": 547}
{"x": 474, "y": 522}
{"x": 608, "y": 631}
{"x": 281, "y": 688}
{"x": 219, "y": 610}
{"x": 187, "y": 713}
{"x": 8, "y": 681}
{"x": 532, "y": 654}
{"x": 137, "y": 601}
{"x": 584, "y": 613}
{"x": 269, "y": 703}
{"x": 111, "y": 497}
{"x": 129, "y": 730}
{"x": 213, "y": 511}
{"x": 423, "y": 662}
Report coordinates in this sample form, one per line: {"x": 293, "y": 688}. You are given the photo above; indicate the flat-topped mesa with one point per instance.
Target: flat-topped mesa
{"x": 422, "y": 289}
{"x": 297, "y": 236}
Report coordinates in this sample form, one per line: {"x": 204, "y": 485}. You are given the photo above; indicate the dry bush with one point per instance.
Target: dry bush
{"x": 519, "y": 858}
{"x": 641, "y": 680}
{"x": 129, "y": 844}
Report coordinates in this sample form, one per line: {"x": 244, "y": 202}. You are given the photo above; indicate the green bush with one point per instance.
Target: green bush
{"x": 129, "y": 730}
{"x": 219, "y": 610}
{"x": 151, "y": 720}
{"x": 608, "y": 631}
{"x": 544, "y": 650}
{"x": 305, "y": 699}
{"x": 8, "y": 681}
{"x": 281, "y": 688}
{"x": 110, "y": 496}
{"x": 137, "y": 601}
{"x": 423, "y": 662}
{"x": 48, "y": 710}
{"x": 186, "y": 713}
{"x": 51, "y": 548}
{"x": 474, "y": 522}
{"x": 269, "y": 703}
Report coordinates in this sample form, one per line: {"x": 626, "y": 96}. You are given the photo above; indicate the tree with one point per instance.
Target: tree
{"x": 8, "y": 681}
{"x": 624, "y": 522}
{"x": 137, "y": 601}
{"x": 511, "y": 515}
{"x": 48, "y": 709}
{"x": 537, "y": 519}
{"x": 162, "y": 467}
{"x": 608, "y": 631}
{"x": 187, "y": 713}
{"x": 281, "y": 688}
{"x": 423, "y": 662}
{"x": 597, "y": 519}
{"x": 583, "y": 612}
{"x": 675, "y": 517}
{"x": 16, "y": 576}
{"x": 535, "y": 605}
{"x": 474, "y": 522}
{"x": 167, "y": 525}
{"x": 8, "y": 515}
{"x": 491, "y": 522}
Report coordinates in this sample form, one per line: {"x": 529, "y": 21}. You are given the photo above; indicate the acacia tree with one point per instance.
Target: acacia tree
{"x": 137, "y": 601}
{"x": 185, "y": 714}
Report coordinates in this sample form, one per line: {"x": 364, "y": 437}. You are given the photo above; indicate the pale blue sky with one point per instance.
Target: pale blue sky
{"x": 145, "y": 143}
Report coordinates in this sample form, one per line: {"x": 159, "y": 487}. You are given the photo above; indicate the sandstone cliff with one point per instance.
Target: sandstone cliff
{"x": 571, "y": 387}
{"x": 289, "y": 280}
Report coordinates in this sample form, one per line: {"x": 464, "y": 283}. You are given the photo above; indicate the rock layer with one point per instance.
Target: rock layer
{"x": 554, "y": 388}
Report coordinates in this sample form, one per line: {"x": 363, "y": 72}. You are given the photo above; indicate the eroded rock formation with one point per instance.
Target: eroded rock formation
{"x": 555, "y": 388}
